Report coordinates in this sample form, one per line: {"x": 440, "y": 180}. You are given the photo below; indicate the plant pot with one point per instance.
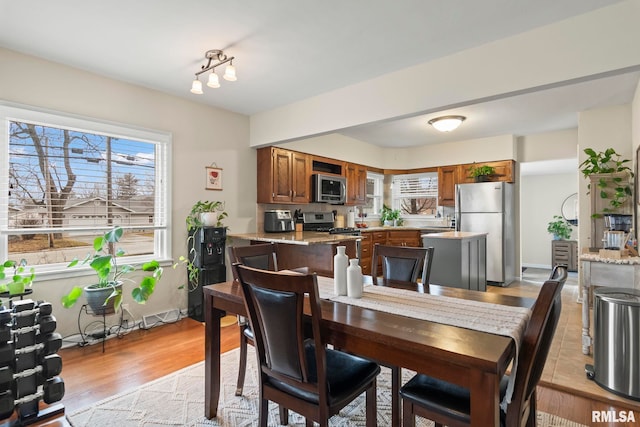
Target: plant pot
{"x": 96, "y": 298}
{"x": 483, "y": 178}
{"x": 16, "y": 288}
{"x": 209, "y": 219}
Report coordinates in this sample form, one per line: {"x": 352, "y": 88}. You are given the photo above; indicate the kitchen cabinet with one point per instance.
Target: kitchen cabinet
{"x": 504, "y": 171}
{"x": 459, "y": 259}
{"x": 447, "y": 180}
{"x": 565, "y": 252}
{"x": 283, "y": 176}
{"x": 356, "y": 184}
{"x": 404, "y": 238}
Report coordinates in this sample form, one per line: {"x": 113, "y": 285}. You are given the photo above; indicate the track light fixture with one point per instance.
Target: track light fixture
{"x": 447, "y": 123}
{"x": 215, "y": 58}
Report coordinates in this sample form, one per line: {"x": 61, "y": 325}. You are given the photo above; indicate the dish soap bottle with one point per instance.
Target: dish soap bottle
{"x": 354, "y": 279}
{"x": 340, "y": 262}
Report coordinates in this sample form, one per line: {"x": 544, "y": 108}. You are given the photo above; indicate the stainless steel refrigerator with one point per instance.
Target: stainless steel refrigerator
{"x": 488, "y": 207}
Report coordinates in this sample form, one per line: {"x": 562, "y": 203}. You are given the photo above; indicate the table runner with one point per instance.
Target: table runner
{"x": 480, "y": 316}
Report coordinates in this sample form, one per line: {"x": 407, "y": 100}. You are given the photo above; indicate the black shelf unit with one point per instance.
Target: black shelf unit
{"x": 207, "y": 253}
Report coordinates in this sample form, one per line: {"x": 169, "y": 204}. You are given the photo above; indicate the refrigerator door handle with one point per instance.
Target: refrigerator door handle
{"x": 457, "y": 208}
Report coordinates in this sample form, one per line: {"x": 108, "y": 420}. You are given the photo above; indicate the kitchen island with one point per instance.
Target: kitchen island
{"x": 459, "y": 259}
{"x": 311, "y": 249}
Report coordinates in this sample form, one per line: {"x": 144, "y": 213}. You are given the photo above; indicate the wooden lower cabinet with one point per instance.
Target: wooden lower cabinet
{"x": 386, "y": 237}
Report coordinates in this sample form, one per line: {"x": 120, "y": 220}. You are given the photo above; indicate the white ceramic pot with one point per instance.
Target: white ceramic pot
{"x": 209, "y": 219}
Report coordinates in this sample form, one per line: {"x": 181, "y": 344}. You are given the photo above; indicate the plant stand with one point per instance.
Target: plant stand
{"x": 105, "y": 332}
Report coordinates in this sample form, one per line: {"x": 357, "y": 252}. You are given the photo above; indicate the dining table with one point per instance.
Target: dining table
{"x": 469, "y": 358}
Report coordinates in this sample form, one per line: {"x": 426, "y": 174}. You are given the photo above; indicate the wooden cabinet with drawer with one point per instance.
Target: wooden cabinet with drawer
{"x": 370, "y": 238}
{"x": 404, "y": 238}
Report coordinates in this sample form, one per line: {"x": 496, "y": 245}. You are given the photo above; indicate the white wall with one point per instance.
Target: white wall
{"x": 201, "y": 135}
{"x": 541, "y": 198}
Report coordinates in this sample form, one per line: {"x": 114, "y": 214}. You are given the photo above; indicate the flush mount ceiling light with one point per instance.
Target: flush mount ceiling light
{"x": 215, "y": 58}
{"x": 447, "y": 123}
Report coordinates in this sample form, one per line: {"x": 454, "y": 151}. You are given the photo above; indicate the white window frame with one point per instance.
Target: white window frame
{"x": 378, "y": 192}
{"x": 395, "y": 193}
{"x": 162, "y": 212}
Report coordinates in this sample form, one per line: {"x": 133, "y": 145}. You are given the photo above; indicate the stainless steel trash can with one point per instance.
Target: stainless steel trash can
{"x": 616, "y": 346}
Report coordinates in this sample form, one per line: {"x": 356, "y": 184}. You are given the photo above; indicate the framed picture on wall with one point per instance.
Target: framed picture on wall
{"x": 214, "y": 178}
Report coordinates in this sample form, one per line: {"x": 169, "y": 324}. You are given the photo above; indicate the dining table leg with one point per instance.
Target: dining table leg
{"x": 212, "y": 318}
{"x": 485, "y": 399}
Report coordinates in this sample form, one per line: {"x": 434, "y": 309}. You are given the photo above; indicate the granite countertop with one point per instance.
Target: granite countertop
{"x": 629, "y": 260}
{"x": 295, "y": 238}
{"x": 406, "y": 227}
{"x": 454, "y": 235}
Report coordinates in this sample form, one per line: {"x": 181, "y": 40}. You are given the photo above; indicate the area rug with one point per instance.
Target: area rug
{"x": 178, "y": 400}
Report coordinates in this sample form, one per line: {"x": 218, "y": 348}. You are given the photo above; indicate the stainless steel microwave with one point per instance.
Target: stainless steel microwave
{"x": 329, "y": 189}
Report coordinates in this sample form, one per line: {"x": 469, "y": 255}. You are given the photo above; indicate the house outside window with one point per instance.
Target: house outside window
{"x": 66, "y": 180}
{"x": 416, "y": 195}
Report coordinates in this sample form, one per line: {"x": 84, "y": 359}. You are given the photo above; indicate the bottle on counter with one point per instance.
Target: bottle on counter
{"x": 354, "y": 279}
{"x": 340, "y": 263}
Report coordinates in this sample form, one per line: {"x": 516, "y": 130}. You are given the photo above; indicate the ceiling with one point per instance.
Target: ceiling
{"x": 289, "y": 50}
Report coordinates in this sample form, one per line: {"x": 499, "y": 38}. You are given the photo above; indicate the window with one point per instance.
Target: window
{"x": 416, "y": 194}
{"x": 375, "y": 183}
{"x": 66, "y": 180}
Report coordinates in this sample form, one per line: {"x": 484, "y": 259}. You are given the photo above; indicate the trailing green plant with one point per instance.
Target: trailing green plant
{"x": 104, "y": 262}
{"x": 194, "y": 218}
{"x": 484, "y": 170}
{"x": 608, "y": 162}
{"x": 17, "y": 280}
{"x": 194, "y": 222}
{"x": 560, "y": 227}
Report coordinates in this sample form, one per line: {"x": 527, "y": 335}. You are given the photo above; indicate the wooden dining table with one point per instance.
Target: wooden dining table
{"x": 471, "y": 359}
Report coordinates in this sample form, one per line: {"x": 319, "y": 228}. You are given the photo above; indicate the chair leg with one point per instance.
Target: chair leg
{"x": 242, "y": 367}
{"x": 264, "y": 412}
{"x": 371, "y": 405}
{"x": 396, "y": 378}
{"x": 408, "y": 417}
{"x": 531, "y": 420}
{"x": 284, "y": 415}
{"x": 308, "y": 422}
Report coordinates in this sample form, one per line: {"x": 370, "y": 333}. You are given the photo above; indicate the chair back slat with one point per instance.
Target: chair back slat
{"x": 402, "y": 263}
{"x": 275, "y": 304}
{"x": 260, "y": 256}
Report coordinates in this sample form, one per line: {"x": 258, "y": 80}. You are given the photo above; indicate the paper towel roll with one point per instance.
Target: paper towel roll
{"x": 351, "y": 219}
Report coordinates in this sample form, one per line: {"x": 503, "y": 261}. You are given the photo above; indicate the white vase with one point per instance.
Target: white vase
{"x": 340, "y": 262}
{"x": 354, "y": 279}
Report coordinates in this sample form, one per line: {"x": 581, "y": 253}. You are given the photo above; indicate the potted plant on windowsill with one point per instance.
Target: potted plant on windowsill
{"x": 390, "y": 217}
{"x": 105, "y": 296}
{"x": 560, "y": 228}
{"x": 482, "y": 173}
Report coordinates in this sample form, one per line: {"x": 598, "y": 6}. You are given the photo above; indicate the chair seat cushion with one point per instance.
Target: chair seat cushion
{"x": 347, "y": 375}
{"x": 442, "y": 397}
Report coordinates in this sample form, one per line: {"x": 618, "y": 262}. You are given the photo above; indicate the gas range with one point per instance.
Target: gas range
{"x": 351, "y": 231}
{"x": 323, "y": 222}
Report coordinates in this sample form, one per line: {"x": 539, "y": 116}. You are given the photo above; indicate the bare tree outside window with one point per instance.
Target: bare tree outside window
{"x": 66, "y": 182}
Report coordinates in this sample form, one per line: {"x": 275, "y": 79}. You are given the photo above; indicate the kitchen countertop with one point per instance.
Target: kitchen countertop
{"x": 454, "y": 235}
{"x": 406, "y": 227}
{"x": 295, "y": 237}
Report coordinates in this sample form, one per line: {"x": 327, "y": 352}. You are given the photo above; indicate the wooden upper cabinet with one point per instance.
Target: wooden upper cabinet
{"x": 356, "y": 184}
{"x": 504, "y": 171}
{"x": 283, "y": 176}
{"x": 447, "y": 180}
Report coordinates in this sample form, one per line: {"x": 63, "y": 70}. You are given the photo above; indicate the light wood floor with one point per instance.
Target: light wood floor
{"x": 91, "y": 375}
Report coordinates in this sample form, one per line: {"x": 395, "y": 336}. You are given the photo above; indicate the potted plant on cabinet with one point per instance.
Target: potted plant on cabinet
{"x": 105, "y": 296}
{"x": 482, "y": 173}
{"x": 612, "y": 177}
{"x": 560, "y": 228}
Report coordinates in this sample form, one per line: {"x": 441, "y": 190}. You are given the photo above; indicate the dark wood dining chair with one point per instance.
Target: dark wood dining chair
{"x": 298, "y": 373}
{"x": 402, "y": 263}
{"x": 449, "y": 404}
{"x": 263, "y": 257}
